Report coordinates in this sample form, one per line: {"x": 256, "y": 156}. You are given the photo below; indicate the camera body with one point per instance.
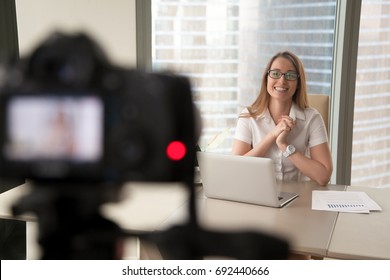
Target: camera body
{"x": 68, "y": 115}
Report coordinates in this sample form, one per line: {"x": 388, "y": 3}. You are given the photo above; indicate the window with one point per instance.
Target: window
{"x": 224, "y": 45}
{"x": 371, "y": 128}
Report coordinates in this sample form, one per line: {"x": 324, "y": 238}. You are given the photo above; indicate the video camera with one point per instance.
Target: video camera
{"x": 67, "y": 114}
{"x": 79, "y": 127}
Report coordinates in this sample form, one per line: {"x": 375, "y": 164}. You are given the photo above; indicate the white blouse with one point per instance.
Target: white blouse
{"x": 309, "y": 131}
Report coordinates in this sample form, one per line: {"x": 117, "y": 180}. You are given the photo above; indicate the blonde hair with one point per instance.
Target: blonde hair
{"x": 262, "y": 101}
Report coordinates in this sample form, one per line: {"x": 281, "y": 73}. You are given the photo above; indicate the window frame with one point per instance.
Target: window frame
{"x": 343, "y": 88}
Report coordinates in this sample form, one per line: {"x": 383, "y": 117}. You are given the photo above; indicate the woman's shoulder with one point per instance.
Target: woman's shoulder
{"x": 303, "y": 113}
{"x": 308, "y": 114}
{"x": 245, "y": 110}
{"x": 310, "y": 111}
{"x": 248, "y": 112}
{"x": 313, "y": 116}
{"x": 245, "y": 113}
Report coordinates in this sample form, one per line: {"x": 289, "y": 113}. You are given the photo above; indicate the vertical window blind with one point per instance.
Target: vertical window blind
{"x": 371, "y": 130}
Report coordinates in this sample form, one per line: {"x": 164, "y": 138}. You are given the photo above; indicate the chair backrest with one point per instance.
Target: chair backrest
{"x": 321, "y": 103}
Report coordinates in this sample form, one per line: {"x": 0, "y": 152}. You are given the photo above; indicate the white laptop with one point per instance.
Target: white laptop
{"x": 242, "y": 179}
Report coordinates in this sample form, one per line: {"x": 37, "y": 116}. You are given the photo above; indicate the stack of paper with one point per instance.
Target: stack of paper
{"x": 355, "y": 202}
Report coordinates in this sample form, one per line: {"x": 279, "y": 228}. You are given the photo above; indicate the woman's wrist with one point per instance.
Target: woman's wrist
{"x": 282, "y": 146}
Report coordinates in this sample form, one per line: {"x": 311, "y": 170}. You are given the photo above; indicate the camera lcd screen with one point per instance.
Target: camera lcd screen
{"x": 55, "y": 128}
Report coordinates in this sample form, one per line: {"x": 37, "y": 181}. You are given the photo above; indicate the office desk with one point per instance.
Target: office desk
{"x": 7, "y": 184}
{"x": 308, "y": 231}
{"x": 363, "y": 236}
{"x": 319, "y": 233}
{"x": 9, "y": 198}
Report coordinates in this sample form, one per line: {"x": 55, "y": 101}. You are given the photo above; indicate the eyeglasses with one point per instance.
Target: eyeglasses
{"x": 289, "y": 76}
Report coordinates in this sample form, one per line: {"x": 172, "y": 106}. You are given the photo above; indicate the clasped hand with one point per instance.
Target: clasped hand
{"x": 283, "y": 128}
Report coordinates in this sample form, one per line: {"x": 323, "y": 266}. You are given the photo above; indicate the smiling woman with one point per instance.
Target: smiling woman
{"x": 281, "y": 126}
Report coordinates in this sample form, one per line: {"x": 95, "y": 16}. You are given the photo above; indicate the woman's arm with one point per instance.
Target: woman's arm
{"x": 318, "y": 167}
{"x": 244, "y": 149}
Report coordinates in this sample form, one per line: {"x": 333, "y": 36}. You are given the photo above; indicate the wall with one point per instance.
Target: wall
{"x": 111, "y": 23}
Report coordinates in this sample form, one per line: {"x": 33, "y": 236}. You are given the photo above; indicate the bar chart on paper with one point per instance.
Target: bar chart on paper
{"x": 343, "y": 205}
{"x": 354, "y": 202}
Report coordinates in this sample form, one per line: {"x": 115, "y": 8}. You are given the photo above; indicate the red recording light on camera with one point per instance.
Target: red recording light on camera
{"x": 176, "y": 150}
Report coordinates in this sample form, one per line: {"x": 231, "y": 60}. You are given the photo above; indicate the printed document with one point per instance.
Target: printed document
{"x": 354, "y": 202}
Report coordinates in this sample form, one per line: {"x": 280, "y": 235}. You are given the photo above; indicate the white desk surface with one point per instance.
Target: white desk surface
{"x": 308, "y": 231}
{"x": 9, "y": 198}
{"x": 363, "y": 236}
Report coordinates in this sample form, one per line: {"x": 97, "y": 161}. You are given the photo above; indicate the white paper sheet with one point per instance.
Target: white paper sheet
{"x": 354, "y": 202}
